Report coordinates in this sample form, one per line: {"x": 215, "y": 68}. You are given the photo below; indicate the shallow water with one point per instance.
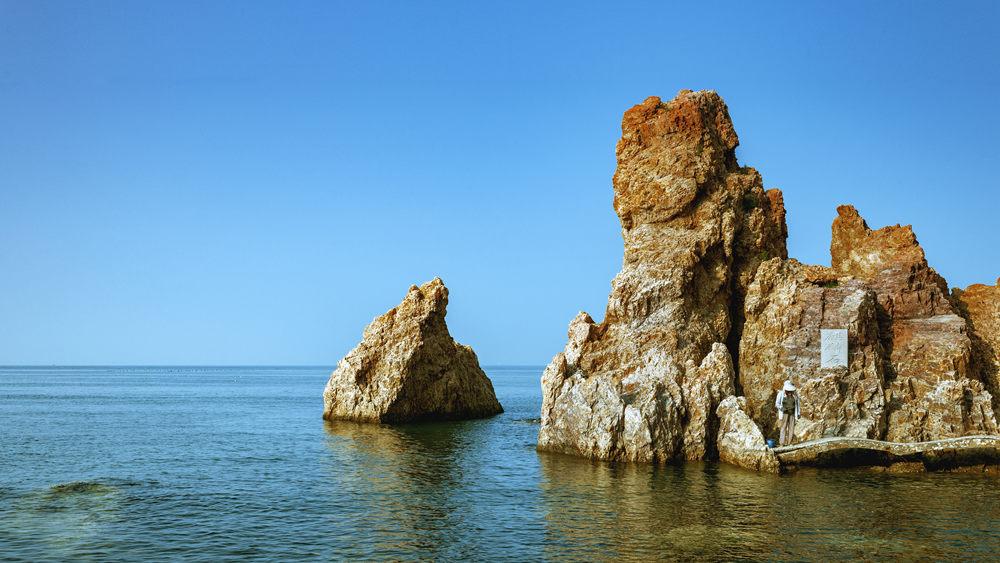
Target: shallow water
{"x": 235, "y": 463}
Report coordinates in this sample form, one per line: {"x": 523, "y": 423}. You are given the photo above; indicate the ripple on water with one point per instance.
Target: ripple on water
{"x": 252, "y": 472}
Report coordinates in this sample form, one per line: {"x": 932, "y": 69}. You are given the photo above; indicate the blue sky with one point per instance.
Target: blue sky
{"x": 252, "y": 183}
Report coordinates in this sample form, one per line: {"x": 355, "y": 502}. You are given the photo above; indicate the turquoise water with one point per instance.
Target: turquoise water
{"x": 218, "y": 464}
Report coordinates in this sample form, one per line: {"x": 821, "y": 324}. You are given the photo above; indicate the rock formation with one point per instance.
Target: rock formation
{"x": 740, "y": 441}
{"x": 980, "y": 305}
{"x": 787, "y": 305}
{"x": 644, "y": 383}
{"x": 408, "y": 368}
{"x": 706, "y": 286}
{"x": 933, "y": 391}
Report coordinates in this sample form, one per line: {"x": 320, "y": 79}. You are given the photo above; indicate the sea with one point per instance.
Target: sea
{"x": 237, "y": 464}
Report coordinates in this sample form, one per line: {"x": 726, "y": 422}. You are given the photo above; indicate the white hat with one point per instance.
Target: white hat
{"x": 788, "y": 386}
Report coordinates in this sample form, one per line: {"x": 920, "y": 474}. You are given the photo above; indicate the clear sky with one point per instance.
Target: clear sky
{"x": 252, "y": 183}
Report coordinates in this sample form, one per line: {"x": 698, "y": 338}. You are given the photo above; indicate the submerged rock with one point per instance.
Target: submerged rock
{"x": 408, "y": 368}
{"x": 644, "y": 384}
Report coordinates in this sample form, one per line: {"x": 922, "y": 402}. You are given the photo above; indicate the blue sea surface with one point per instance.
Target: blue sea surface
{"x": 235, "y": 463}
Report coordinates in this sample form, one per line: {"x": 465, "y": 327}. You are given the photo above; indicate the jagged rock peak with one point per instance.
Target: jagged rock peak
{"x": 891, "y": 259}
{"x": 933, "y": 388}
{"x": 695, "y": 130}
{"x": 859, "y": 251}
{"x": 407, "y": 367}
{"x": 644, "y": 384}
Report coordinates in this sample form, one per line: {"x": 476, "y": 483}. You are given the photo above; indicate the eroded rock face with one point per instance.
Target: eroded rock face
{"x": 740, "y": 440}
{"x": 787, "y": 306}
{"x": 892, "y": 262}
{"x": 706, "y": 284}
{"x": 643, "y": 384}
{"x": 933, "y": 391}
{"x": 408, "y": 368}
{"x": 980, "y": 305}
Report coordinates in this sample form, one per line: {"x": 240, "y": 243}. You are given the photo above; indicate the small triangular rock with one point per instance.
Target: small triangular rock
{"x": 408, "y": 368}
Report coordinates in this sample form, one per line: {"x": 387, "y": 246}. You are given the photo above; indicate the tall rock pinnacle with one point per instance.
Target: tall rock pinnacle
{"x": 645, "y": 383}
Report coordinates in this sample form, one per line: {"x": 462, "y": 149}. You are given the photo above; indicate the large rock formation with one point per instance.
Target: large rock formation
{"x": 644, "y": 384}
{"x": 934, "y": 392}
{"x": 911, "y": 375}
{"x": 408, "y": 368}
{"x": 786, "y": 307}
{"x": 706, "y": 284}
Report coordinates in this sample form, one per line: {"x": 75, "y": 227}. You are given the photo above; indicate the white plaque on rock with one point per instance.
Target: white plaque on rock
{"x": 833, "y": 347}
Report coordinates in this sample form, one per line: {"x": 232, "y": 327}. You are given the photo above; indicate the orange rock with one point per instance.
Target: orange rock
{"x": 645, "y": 383}
{"x": 980, "y": 305}
{"x": 933, "y": 391}
{"x": 787, "y": 307}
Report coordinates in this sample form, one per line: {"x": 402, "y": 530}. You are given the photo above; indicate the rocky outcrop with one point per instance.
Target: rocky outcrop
{"x": 933, "y": 392}
{"x": 740, "y": 440}
{"x": 787, "y": 306}
{"x": 892, "y": 262}
{"x": 980, "y": 305}
{"x": 408, "y": 368}
{"x": 643, "y": 384}
{"x": 706, "y": 287}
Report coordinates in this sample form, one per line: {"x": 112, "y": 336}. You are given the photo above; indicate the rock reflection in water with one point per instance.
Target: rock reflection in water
{"x": 598, "y": 509}
{"x": 645, "y": 511}
{"x": 413, "y": 482}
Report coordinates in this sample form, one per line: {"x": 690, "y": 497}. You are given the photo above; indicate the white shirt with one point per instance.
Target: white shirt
{"x": 780, "y": 400}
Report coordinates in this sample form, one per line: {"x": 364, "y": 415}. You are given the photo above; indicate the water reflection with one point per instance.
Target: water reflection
{"x": 409, "y": 481}
{"x": 247, "y": 472}
{"x": 719, "y": 512}
{"x": 646, "y": 511}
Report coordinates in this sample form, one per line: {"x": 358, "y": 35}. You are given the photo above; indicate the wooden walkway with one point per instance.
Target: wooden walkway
{"x": 967, "y": 452}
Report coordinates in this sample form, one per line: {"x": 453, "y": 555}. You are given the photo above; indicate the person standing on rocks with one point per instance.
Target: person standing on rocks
{"x": 787, "y": 403}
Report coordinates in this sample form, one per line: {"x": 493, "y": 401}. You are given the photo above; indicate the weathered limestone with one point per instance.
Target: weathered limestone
{"x": 892, "y": 262}
{"x": 704, "y": 388}
{"x": 740, "y": 440}
{"x": 706, "y": 286}
{"x": 980, "y": 305}
{"x": 787, "y": 305}
{"x": 643, "y": 384}
{"x": 933, "y": 392}
{"x": 408, "y": 368}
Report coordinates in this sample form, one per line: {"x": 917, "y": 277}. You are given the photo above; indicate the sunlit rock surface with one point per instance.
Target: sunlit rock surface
{"x": 408, "y": 368}
{"x": 787, "y": 306}
{"x": 980, "y": 304}
{"x": 706, "y": 286}
{"x": 933, "y": 390}
{"x": 740, "y": 440}
{"x": 644, "y": 383}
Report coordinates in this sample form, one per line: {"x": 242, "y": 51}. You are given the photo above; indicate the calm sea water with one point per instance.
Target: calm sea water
{"x": 220, "y": 464}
